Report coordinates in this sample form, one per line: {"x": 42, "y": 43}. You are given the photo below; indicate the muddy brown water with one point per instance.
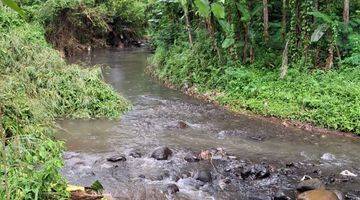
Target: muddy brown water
{"x": 154, "y": 121}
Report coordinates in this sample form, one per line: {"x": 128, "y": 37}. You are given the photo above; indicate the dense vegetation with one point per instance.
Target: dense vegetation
{"x": 36, "y": 87}
{"x": 292, "y": 59}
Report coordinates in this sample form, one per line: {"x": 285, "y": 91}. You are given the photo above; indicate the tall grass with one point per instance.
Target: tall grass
{"x": 36, "y": 87}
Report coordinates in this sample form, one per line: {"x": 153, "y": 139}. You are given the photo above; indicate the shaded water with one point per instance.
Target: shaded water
{"x": 154, "y": 121}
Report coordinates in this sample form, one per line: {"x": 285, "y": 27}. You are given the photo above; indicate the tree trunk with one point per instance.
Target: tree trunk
{"x": 188, "y": 27}
{"x": 285, "y": 61}
{"x": 211, "y": 31}
{"x": 246, "y": 41}
{"x": 346, "y": 12}
{"x": 252, "y": 55}
{"x": 283, "y": 21}
{"x": 330, "y": 58}
{"x": 266, "y": 20}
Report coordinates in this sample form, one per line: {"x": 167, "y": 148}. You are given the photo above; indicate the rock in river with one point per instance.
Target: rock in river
{"x": 135, "y": 154}
{"x": 116, "y": 158}
{"x": 309, "y": 184}
{"x": 319, "y": 194}
{"x": 190, "y": 157}
{"x": 172, "y": 189}
{"x": 161, "y": 153}
{"x": 256, "y": 171}
{"x": 204, "y": 176}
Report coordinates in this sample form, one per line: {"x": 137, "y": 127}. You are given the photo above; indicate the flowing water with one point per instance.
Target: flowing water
{"x": 164, "y": 117}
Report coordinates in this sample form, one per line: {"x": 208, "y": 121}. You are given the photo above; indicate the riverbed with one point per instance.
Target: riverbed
{"x": 163, "y": 117}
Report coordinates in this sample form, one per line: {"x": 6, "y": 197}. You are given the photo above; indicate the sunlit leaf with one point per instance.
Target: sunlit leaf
{"x": 228, "y": 42}
{"x": 218, "y": 10}
{"x": 203, "y": 7}
{"x": 12, "y": 4}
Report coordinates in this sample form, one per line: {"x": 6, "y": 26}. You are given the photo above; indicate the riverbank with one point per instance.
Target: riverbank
{"x": 316, "y": 100}
{"x": 37, "y": 86}
{"x": 212, "y": 97}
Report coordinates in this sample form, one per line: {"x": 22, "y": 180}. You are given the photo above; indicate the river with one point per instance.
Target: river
{"x": 165, "y": 117}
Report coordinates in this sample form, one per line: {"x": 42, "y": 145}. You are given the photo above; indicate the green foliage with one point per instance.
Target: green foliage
{"x": 13, "y": 5}
{"x": 37, "y": 87}
{"x": 203, "y": 7}
{"x": 321, "y": 86}
{"x": 328, "y": 99}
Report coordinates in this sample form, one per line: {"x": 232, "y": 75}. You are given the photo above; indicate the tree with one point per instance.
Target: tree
{"x": 184, "y": 5}
{"x": 346, "y": 12}
{"x": 266, "y": 20}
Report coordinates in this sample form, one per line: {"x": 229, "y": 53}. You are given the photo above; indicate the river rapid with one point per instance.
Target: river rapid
{"x": 214, "y": 153}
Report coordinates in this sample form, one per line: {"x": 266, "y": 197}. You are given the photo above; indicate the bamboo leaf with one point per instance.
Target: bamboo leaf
{"x": 12, "y": 4}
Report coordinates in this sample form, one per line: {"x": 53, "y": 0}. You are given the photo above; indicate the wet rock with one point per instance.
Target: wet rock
{"x": 328, "y": 157}
{"x": 309, "y": 184}
{"x": 258, "y": 138}
{"x": 256, "y": 171}
{"x": 223, "y": 183}
{"x": 348, "y": 173}
{"x": 161, "y": 153}
{"x": 204, "y": 176}
{"x": 353, "y": 195}
{"x": 280, "y": 195}
{"x": 182, "y": 125}
{"x": 318, "y": 194}
{"x": 135, "y": 154}
{"x": 174, "y": 177}
{"x": 186, "y": 175}
{"x": 190, "y": 157}
{"x": 172, "y": 189}
{"x": 205, "y": 155}
{"x": 116, "y": 158}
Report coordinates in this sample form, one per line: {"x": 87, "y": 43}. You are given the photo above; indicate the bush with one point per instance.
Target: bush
{"x": 37, "y": 87}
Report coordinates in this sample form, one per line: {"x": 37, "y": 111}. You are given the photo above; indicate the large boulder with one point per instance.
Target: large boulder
{"x": 161, "y": 153}
{"x": 318, "y": 194}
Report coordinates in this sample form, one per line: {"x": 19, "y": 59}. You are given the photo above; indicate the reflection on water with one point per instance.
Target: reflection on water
{"x": 154, "y": 122}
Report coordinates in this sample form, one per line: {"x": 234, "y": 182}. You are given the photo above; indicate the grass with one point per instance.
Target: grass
{"x": 37, "y": 87}
{"x": 329, "y": 99}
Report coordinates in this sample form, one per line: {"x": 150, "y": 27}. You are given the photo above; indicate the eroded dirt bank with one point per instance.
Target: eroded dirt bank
{"x": 75, "y": 30}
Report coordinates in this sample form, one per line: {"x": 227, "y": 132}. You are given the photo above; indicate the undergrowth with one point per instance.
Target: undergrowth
{"x": 37, "y": 87}
{"x": 329, "y": 99}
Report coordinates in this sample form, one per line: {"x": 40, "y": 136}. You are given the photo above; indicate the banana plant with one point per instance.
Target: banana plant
{"x": 13, "y": 5}
{"x": 217, "y": 8}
